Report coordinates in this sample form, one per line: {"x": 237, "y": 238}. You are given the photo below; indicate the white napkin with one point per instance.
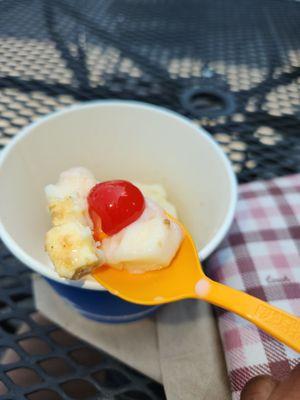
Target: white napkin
{"x": 178, "y": 347}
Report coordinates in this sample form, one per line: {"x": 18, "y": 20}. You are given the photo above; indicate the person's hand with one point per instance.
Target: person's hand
{"x": 264, "y": 387}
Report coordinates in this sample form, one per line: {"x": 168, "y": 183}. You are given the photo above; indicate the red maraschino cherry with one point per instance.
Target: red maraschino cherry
{"x": 116, "y": 203}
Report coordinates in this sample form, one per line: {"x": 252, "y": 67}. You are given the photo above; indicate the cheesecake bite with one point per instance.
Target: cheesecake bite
{"x": 70, "y": 243}
{"x": 72, "y": 249}
{"x": 147, "y": 244}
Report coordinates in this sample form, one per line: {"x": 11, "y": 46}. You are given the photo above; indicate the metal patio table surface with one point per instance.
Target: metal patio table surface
{"x": 232, "y": 67}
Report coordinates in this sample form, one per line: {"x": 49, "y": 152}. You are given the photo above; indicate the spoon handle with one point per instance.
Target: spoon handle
{"x": 277, "y": 323}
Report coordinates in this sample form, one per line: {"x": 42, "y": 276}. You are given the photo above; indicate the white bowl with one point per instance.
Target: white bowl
{"x": 114, "y": 139}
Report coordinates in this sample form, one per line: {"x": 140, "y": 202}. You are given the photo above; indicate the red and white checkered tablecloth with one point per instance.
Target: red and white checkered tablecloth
{"x": 261, "y": 256}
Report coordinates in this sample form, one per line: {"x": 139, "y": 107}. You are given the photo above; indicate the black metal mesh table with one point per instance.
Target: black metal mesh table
{"x": 233, "y": 67}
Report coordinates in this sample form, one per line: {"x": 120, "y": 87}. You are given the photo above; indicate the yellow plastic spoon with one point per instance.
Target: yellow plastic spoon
{"x": 184, "y": 278}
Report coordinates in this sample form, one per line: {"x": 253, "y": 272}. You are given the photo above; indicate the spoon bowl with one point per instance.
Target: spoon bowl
{"x": 156, "y": 287}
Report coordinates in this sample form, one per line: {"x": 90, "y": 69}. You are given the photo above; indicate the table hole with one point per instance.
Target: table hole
{"x": 79, "y": 389}
{"x": 35, "y": 346}
{"x": 204, "y": 101}
{"x": 3, "y": 388}
{"x": 8, "y": 356}
{"x": 24, "y": 377}
{"x": 207, "y": 101}
{"x": 55, "y": 366}
{"x": 63, "y": 338}
{"x": 40, "y": 319}
{"x": 86, "y": 356}
{"x": 44, "y": 394}
{"x": 111, "y": 378}
{"x": 14, "y": 326}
